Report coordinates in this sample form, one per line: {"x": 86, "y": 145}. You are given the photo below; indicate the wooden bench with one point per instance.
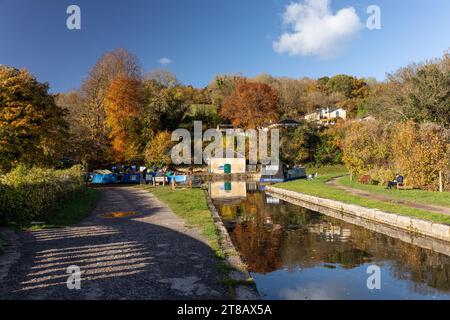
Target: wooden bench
{"x": 403, "y": 186}
{"x": 159, "y": 180}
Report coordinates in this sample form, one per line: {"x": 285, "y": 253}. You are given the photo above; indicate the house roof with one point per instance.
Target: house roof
{"x": 336, "y": 109}
{"x": 280, "y": 123}
{"x": 289, "y": 121}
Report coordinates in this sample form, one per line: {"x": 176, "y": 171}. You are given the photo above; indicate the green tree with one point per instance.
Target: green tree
{"x": 430, "y": 98}
{"x": 327, "y": 152}
{"x": 166, "y": 107}
{"x": 419, "y": 92}
{"x": 298, "y": 146}
{"x": 353, "y": 90}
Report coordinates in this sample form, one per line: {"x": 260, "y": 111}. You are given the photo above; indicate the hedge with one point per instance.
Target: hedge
{"x": 28, "y": 195}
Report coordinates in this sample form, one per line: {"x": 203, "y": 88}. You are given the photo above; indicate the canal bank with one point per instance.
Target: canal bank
{"x": 409, "y": 224}
{"x": 245, "y": 288}
{"x": 293, "y": 252}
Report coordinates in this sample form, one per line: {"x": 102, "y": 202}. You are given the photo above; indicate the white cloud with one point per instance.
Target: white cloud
{"x": 164, "y": 61}
{"x": 316, "y": 31}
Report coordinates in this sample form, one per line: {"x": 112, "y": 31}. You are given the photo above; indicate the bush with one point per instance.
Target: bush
{"x": 416, "y": 151}
{"x": 30, "y": 194}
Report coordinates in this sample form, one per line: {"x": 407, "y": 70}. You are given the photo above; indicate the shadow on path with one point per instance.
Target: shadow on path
{"x": 149, "y": 256}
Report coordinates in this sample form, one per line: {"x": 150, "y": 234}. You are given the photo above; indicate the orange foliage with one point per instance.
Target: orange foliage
{"x": 123, "y": 108}
{"x": 251, "y": 104}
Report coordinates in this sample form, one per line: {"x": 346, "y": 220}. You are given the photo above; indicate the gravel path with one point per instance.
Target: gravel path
{"x": 152, "y": 255}
{"x": 366, "y": 194}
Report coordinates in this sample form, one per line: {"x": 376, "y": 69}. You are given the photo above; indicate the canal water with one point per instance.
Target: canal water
{"x": 297, "y": 254}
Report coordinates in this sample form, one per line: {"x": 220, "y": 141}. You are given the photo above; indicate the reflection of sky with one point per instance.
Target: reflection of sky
{"x": 321, "y": 283}
{"x": 286, "y": 237}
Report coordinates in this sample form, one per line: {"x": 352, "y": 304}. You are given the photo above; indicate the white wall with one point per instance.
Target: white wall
{"x": 237, "y": 165}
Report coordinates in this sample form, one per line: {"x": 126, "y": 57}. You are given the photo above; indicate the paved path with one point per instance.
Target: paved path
{"x": 366, "y": 194}
{"x": 149, "y": 256}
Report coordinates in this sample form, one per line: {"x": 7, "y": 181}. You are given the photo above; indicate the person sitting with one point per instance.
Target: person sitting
{"x": 399, "y": 180}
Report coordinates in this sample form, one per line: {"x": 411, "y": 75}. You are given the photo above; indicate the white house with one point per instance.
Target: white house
{"x": 235, "y": 161}
{"x": 327, "y": 115}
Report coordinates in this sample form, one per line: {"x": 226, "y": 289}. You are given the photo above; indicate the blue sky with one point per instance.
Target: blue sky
{"x": 203, "y": 38}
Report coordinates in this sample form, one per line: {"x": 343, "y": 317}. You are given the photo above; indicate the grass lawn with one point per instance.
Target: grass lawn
{"x": 191, "y": 205}
{"x": 73, "y": 211}
{"x": 336, "y": 170}
{"x": 420, "y": 196}
{"x": 320, "y": 189}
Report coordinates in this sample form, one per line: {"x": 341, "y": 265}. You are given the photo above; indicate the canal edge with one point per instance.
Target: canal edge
{"x": 239, "y": 271}
{"x": 409, "y": 224}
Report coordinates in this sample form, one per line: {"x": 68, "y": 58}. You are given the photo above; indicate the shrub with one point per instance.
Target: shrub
{"x": 30, "y": 194}
{"x": 417, "y": 151}
{"x": 421, "y": 151}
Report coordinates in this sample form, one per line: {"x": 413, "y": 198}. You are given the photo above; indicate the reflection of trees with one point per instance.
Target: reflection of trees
{"x": 271, "y": 237}
{"x": 260, "y": 247}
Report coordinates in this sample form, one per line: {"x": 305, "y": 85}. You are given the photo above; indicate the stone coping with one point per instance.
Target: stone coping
{"x": 233, "y": 258}
{"x": 411, "y": 225}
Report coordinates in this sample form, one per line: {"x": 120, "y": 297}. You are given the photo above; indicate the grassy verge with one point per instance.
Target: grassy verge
{"x": 191, "y": 205}
{"x": 318, "y": 188}
{"x": 336, "y": 170}
{"x": 73, "y": 211}
{"x": 420, "y": 196}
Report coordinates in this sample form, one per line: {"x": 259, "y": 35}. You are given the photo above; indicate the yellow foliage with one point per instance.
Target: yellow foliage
{"x": 158, "y": 150}
{"x": 418, "y": 152}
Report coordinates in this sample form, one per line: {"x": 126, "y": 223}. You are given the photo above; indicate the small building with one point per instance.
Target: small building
{"x": 228, "y": 190}
{"x": 283, "y": 124}
{"x": 367, "y": 119}
{"x": 327, "y": 115}
{"x": 231, "y": 162}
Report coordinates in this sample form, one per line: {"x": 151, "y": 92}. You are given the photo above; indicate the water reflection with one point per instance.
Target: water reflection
{"x": 295, "y": 253}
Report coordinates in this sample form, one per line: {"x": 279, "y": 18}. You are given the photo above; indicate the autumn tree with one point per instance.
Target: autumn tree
{"x": 419, "y": 92}
{"x": 158, "y": 150}
{"x": 124, "y": 109}
{"x": 164, "y": 78}
{"x": 166, "y": 106}
{"x": 32, "y": 126}
{"x": 417, "y": 151}
{"x": 221, "y": 87}
{"x": 251, "y": 104}
{"x": 293, "y": 94}
{"x": 421, "y": 151}
{"x": 366, "y": 150}
{"x": 353, "y": 91}
{"x": 78, "y": 145}
{"x": 430, "y": 98}
{"x": 111, "y": 65}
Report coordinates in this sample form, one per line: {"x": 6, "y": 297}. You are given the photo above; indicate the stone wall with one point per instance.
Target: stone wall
{"x": 338, "y": 209}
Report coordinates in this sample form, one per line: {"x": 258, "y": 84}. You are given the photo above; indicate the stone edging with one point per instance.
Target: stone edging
{"x": 233, "y": 258}
{"x": 409, "y": 224}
